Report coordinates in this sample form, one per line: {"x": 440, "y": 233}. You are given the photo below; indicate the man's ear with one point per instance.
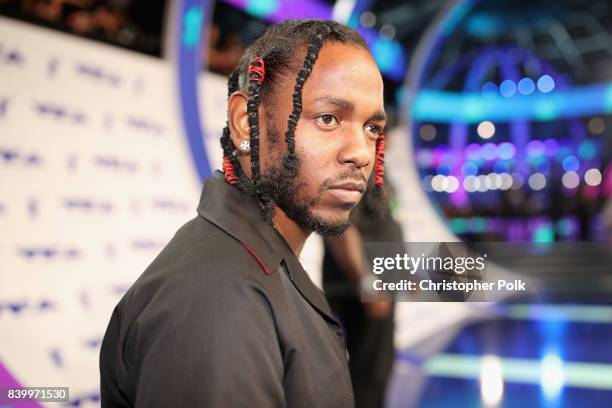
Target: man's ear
{"x": 238, "y": 118}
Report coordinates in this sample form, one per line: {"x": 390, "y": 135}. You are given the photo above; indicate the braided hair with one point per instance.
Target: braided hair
{"x": 269, "y": 57}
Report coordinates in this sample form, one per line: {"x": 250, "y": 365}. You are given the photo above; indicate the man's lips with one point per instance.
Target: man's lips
{"x": 350, "y": 185}
{"x": 348, "y": 192}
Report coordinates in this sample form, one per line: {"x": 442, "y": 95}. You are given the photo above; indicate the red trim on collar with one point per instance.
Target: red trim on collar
{"x": 258, "y": 259}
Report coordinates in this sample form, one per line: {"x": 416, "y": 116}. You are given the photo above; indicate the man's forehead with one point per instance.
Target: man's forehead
{"x": 346, "y": 59}
{"x": 343, "y": 74}
{"x": 347, "y": 72}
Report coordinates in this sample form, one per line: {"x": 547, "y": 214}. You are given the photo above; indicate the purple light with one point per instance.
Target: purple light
{"x": 535, "y": 148}
{"x": 287, "y": 9}
{"x": 489, "y": 151}
{"x": 551, "y": 146}
{"x": 438, "y": 155}
{"x": 424, "y": 157}
{"x": 472, "y": 151}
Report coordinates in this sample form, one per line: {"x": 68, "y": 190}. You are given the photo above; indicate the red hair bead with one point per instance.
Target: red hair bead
{"x": 379, "y": 163}
{"x": 257, "y": 70}
{"x": 229, "y": 171}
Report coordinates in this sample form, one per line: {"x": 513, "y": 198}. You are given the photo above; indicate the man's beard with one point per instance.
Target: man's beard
{"x": 285, "y": 192}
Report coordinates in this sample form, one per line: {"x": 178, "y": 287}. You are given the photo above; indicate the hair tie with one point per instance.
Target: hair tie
{"x": 257, "y": 70}
{"x": 228, "y": 169}
{"x": 379, "y": 163}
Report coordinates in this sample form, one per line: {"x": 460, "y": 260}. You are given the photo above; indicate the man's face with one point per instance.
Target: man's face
{"x": 342, "y": 116}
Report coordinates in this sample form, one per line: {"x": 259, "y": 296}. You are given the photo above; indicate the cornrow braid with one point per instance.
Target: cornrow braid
{"x": 256, "y": 78}
{"x": 290, "y": 161}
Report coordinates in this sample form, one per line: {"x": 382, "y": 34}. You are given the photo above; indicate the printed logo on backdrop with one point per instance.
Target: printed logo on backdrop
{"x": 96, "y": 179}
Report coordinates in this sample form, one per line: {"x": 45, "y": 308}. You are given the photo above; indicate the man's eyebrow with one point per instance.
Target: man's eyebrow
{"x": 339, "y": 102}
{"x": 379, "y": 116}
{"x": 348, "y": 105}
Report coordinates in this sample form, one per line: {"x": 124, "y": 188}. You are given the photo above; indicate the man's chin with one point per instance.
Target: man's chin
{"x": 331, "y": 230}
{"x": 328, "y": 226}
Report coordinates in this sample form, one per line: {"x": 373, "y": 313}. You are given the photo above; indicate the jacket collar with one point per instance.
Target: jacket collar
{"x": 233, "y": 212}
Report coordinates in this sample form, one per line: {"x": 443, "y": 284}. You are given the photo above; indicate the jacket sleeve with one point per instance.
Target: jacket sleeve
{"x": 210, "y": 344}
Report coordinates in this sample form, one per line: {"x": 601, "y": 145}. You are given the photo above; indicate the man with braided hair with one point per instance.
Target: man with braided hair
{"x": 226, "y": 316}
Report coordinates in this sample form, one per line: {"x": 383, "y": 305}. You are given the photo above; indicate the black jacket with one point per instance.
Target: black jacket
{"x": 225, "y": 316}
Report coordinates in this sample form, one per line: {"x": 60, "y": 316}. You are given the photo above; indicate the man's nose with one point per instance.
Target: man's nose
{"x": 357, "y": 150}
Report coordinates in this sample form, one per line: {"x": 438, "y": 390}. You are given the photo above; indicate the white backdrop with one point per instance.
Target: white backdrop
{"x": 96, "y": 178}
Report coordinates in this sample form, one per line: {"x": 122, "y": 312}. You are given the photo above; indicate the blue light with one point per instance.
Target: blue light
{"x": 469, "y": 169}
{"x": 489, "y": 88}
{"x": 552, "y": 376}
{"x": 261, "y": 8}
{"x": 566, "y": 226}
{"x": 608, "y": 99}
{"x": 444, "y": 169}
{"x": 192, "y": 26}
{"x": 587, "y": 150}
{"x": 563, "y": 152}
{"x": 544, "y": 233}
{"x": 548, "y": 109}
{"x": 386, "y": 54}
{"x": 484, "y": 25}
{"x": 571, "y": 163}
{"x": 474, "y": 107}
{"x": 187, "y": 64}
{"x": 353, "y": 21}
{"x": 526, "y": 86}
{"x": 542, "y": 166}
{"x": 507, "y": 88}
{"x": 400, "y": 95}
{"x": 546, "y": 83}
{"x": 502, "y": 166}
{"x": 457, "y": 225}
{"x": 506, "y": 151}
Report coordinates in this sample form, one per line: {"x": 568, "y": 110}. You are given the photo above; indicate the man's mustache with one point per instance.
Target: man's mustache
{"x": 348, "y": 175}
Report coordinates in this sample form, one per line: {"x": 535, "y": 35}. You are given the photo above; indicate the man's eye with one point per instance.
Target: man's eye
{"x": 327, "y": 120}
{"x": 374, "y": 130}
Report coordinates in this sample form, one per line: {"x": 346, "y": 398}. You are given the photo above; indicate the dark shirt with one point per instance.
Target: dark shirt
{"x": 225, "y": 316}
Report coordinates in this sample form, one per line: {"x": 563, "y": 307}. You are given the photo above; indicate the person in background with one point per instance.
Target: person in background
{"x": 369, "y": 326}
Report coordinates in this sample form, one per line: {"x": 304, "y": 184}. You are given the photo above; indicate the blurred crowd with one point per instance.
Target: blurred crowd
{"x": 134, "y": 24}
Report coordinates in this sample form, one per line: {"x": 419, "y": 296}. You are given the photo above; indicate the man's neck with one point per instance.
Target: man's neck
{"x": 292, "y": 233}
